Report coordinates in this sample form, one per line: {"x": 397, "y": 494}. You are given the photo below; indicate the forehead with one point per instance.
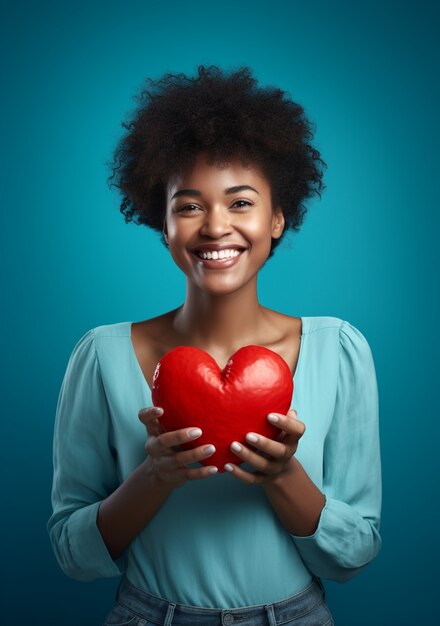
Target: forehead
{"x": 217, "y": 177}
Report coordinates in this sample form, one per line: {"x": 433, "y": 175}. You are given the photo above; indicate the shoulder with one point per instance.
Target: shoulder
{"x": 307, "y": 324}
{"x": 97, "y": 342}
{"x": 344, "y": 329}
{"x": 321, "y": 328}
{"x": 110, "y": 337}
{"x": 321, "y": 323}
{"x": 345, "y": 342}
{"x": 119, "y": 329}
{"x": 91, "y": 336}
{"x": 342, "y": 338}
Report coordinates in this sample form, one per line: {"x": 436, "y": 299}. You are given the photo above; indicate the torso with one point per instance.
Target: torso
{"x": 153, "y": 338}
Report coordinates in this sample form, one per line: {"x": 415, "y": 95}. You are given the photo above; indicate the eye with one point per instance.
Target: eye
{"x": 190, "y": 208}
{"x": 242, "y": 204}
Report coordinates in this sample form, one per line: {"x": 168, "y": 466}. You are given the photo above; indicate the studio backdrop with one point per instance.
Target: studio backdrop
{"x": 367, "y": 252}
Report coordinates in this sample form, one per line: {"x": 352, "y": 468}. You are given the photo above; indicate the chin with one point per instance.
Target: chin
{"x": 218, "y": 290}
{"x": 219, "y": 287}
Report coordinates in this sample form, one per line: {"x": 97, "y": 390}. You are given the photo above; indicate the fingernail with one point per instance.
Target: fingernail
{"x": 228, "y": 467}
{"x": 236, "y": 446}
{"x": 208, "y": 450}
{"x": 157, "y": 410}
{"x": 213, "y": 470}
{"x": 195, "y": 432}
{"x": 273, "y": 418}
{"x": 252, "y": 438}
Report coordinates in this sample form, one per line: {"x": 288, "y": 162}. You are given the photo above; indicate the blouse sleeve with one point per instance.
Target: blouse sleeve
{"x": 347, "y": 536}
{"x": 84, "y": 468}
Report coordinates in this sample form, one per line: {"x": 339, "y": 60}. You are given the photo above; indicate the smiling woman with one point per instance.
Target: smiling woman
{"x": 221, "y": 168}
{"x": 230, "y": 224}
{"x": 227, "y": 117}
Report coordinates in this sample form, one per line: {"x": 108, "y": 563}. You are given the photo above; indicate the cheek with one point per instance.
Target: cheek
{"x": 177, "y": 236}
{"x": 176, "y": 251}
{"x": 171, "y": 228}
{"x": 259, "y": 230}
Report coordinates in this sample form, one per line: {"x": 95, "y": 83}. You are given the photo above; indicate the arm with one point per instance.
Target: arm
{"x": 296, "y": 499}
{"x": 123, "y": 514}
{"x": 347, "y": 536}
{"x": 95, "y": 518}
{"x": 293, "y": 495}
{"x": 130, "y": 508}
{"x": 336, "y": 531}
{"x": 84, "y": 468}
{"x": 90, "y": 529}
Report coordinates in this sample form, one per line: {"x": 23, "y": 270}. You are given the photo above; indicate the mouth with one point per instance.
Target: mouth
{"x": 219, "y": 259}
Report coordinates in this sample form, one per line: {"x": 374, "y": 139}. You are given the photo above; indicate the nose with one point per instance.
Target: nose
{"x": 216, "y": 223}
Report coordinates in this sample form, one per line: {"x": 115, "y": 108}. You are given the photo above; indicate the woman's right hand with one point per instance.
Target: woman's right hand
{"x": 165, "y": 458}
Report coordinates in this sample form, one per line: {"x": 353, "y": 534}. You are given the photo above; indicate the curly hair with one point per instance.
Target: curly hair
{"x": 227, "y": 116}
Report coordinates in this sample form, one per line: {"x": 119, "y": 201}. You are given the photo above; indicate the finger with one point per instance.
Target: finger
{"x": 155, "y": 428}
{"x": 250, "y": 478}
{"x": 186, "y": 457}
{"x": 148, "y": 412}
{"x": 289, "y": 423}
{"x": 278, "y": 450}
{"x": 282, "y": 434}
{"x": 179, "y": 477}
{"x": 261, "y": 463}
{"x": 150, "y": 418}
{"x": 200, "y": 472}
{"x": 163, "y": 443}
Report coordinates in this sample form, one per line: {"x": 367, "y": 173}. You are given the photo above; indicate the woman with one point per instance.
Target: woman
{"x": 222, "y": 168}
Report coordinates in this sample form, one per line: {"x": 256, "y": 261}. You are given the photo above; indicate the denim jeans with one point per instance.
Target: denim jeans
{"x": 137, "y": 608}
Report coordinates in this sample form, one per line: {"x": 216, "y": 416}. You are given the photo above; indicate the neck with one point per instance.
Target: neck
{"x": 219, "y": 322}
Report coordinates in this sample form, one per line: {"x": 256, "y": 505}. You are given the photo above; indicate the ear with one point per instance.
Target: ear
{"x": 278, "y": 223}
{"x": 165, "y": 230}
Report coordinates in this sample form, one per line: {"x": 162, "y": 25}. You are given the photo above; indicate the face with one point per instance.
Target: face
{"x": 219, "y": 224}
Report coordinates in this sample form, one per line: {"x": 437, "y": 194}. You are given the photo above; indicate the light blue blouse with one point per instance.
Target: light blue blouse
{"x": 217, "y": 542}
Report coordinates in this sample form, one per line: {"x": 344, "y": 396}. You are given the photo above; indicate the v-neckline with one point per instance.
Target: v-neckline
{"x": 141, "y": 373}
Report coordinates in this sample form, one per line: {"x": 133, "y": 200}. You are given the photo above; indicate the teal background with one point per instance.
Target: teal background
{"x": 366, "y": 74}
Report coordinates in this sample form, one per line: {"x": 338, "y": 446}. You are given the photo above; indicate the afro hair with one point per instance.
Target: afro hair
{"x": 227, "y": 116}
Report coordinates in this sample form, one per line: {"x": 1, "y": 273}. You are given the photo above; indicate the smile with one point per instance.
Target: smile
{"x": 220, "y": 254}
{"x": 220, "y": 259}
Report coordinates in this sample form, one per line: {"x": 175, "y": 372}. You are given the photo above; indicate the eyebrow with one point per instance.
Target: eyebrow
{"x": 196, "y": 192}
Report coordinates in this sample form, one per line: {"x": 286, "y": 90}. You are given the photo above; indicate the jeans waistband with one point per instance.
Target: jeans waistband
{"x": 161, "y": 611}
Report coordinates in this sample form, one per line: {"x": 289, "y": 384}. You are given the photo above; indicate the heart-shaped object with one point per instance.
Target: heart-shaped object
{"x": 226, "y": 404}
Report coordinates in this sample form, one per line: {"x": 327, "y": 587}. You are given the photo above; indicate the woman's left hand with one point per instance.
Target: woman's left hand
{"x": 271, "y": 458}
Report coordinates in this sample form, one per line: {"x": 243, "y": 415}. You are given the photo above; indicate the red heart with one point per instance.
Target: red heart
{"x": 226, "y": 404}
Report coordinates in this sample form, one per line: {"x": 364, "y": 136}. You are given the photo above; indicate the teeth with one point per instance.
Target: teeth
{"x": 221, "y": 254}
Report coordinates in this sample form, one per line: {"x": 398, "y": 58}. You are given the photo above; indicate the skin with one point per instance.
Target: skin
{"x": 212, "y": 319}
